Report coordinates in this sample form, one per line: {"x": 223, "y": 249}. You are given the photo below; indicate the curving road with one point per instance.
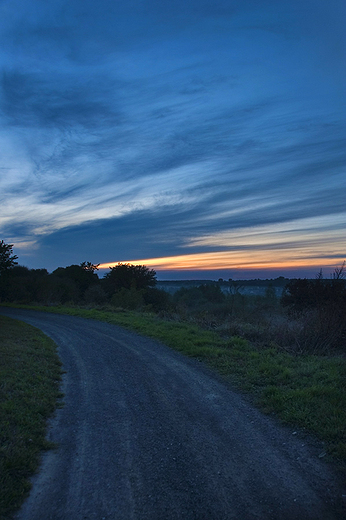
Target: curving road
{"x": 147, "y": 434}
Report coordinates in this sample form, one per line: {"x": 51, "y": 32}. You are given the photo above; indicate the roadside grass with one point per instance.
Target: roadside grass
{"x": 30, "y": 374}
{"x": 305, "y": 391}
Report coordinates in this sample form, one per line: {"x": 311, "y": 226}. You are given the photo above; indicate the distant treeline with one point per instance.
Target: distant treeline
{"x": 281, "y": 281}
{"x": 254, "y": 286}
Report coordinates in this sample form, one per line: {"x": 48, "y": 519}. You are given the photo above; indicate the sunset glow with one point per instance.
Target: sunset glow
{"x": 302, "y": 244}
{"x": 186, "y": 136}
{"x": 231, "y": 260}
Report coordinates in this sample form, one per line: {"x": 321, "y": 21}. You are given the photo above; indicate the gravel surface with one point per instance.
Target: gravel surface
{"x": 148, "y": 434}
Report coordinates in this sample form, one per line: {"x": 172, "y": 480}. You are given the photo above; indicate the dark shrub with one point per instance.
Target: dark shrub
{"x": 320, "y": 307}
{"x": 128, "y": 276}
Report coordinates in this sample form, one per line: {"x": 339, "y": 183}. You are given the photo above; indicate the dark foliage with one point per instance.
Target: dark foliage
{"x": 71, "y": 283}
{"x": 196, "y": 297}
{"x": 303, "y": 294}
{"x": 310, "y": 319}
{"x": 157, "y": 299}
{"x": 95, "y": 295}
{"x": 88, "y": 266}
{"x": 320, "y": 307}
{"x": 7, "y": 258}
{"x": 128, "y": 276}
{"x": 22, "y": 285}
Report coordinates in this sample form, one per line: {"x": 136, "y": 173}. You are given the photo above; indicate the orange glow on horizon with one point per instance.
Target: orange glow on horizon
{"x": 234, "y": 260}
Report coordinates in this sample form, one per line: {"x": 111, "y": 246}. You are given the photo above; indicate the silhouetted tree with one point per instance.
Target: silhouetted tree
{"x": 88, "y": 266}
{"x": 7, "y": 258}
{"x": 129, "y": 276}
{"x": 70, "y": 283}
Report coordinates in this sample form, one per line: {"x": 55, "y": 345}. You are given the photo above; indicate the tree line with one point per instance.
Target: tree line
{"x": 315, "y": 309}
{"x": 125, "y": 284}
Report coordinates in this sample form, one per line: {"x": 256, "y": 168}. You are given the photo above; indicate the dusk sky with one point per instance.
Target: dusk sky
{"x": 188, "y": 135}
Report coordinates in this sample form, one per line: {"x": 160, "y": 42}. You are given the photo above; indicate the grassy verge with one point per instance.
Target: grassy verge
{"x": 30, "y": 373}
{"x": 306, "y": 391}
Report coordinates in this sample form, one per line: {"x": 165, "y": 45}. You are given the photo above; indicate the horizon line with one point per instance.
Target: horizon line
{"x": 230, "y": 261}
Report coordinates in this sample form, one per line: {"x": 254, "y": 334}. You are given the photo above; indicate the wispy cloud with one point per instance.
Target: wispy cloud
{"x": 155, "y": 130}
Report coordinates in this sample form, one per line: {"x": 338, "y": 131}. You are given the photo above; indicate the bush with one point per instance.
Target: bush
{"x": 157, "y": 299}
{"x": 318, "y": 308}
{"x": 95, "y": 295}
{"x": 131, "y": 299}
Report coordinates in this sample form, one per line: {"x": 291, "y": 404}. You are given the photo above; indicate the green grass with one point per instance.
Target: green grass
{"x": 30, "y": 374}
{"x": 306, "y": 391}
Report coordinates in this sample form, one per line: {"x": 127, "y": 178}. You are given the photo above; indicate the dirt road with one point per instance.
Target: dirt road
{"x": 147, "y": 434}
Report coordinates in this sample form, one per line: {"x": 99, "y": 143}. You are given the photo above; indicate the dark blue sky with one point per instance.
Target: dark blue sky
{"x": 190, "y": 134}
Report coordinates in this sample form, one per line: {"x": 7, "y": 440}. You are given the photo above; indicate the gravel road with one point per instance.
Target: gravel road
{"x": 148, "y": 434}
